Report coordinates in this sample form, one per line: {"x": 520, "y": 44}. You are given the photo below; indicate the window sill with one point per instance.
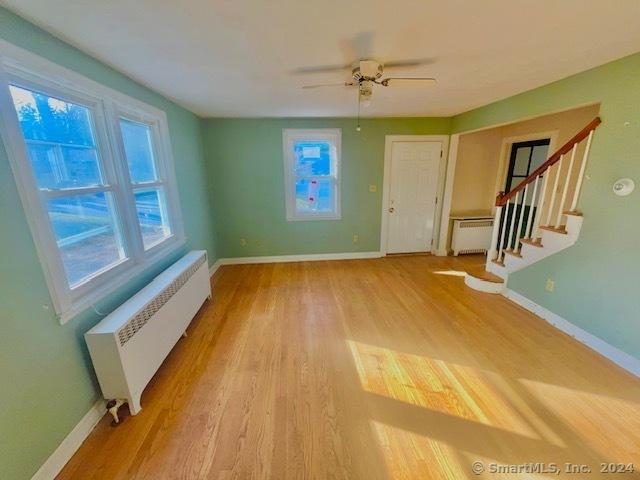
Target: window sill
{"x": 101, "y": 291}
{"x": 312, "y": 218}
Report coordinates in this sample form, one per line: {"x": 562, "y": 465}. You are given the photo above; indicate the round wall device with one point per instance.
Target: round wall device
{"x": 623, "y": 187}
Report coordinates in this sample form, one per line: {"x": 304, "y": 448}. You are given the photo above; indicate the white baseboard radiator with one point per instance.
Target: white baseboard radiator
{"x": 128, "y": 346}
{"x": 471, "y": 235}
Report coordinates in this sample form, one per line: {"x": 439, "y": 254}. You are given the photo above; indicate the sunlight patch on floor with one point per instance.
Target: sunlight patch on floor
{"x": 577, "y": 409}
{"x": 409, "y": 455}
{"x": 452, "y": 273}
{"x": 439, "y": 386}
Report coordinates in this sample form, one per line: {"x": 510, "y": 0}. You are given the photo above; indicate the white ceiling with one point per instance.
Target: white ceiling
{"x": 236, "y": 57}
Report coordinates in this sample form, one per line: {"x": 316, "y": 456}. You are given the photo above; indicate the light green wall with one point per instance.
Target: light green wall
{"x": 597, "y": 279}
{"x": 46, "y": 376}
{"x": 246, "y": 176}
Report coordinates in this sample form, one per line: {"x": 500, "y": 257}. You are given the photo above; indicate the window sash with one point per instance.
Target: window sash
{"x": 290, "y": 138}
{"x": 29, "y": 71}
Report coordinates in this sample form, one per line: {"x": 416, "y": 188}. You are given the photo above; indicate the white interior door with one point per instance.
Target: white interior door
{"x": 413, "y": 187}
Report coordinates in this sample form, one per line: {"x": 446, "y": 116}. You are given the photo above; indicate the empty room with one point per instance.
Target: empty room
{"x": 319, "y": 240}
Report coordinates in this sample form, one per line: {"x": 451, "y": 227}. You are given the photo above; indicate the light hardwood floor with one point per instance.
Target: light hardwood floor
{"x": 367, "y": 369}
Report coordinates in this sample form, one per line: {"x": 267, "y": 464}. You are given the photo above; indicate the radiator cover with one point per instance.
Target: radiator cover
{"x": 128, "y": 346}
{"x": 471, "y": 235}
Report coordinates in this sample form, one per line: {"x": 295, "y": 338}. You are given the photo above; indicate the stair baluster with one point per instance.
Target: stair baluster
{"x": 531, "y": 209}
{"x": 567, "y": 180}
{"x": 513, "y": 221}
{"x": 504, "y": 232}
{"x": 552, "y": 202}
{"x": 493, "y": 248}
{"x": 576, "y": 192}
{"x": 516, "y": 247}
{"x": 536, "y": 221}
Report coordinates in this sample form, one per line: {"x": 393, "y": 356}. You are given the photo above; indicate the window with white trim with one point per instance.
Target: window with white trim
{"x": 96, "y": 178}
{"x": 312, "y": 173}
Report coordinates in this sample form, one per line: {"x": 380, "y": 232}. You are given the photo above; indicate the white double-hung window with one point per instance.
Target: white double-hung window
{"x": 95, "y": 175}
{"x": 312, "y": 173}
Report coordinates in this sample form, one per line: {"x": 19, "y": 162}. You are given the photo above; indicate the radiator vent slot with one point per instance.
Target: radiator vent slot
{"x": 484, "y": 223}
{"x": 142, "y": 317}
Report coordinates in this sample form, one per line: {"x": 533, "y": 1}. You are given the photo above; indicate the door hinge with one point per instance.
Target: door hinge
{"x": 436, "y": 200}
{"x": 441, "y": 153}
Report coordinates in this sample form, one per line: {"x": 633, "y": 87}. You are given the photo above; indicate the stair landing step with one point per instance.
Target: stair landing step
{"x": 498, "y": 262}
{"x": 515, "y": 254}
{"x": 562, "y": 229}
{"x": 482, "y": 274}
{"x": 534, "y": 242}
{"x": 574, "y": 213}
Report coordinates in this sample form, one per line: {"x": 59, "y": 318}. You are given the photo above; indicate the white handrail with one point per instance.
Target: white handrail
{"x": 563, "y": 199}
{"x": 576, "y": 193}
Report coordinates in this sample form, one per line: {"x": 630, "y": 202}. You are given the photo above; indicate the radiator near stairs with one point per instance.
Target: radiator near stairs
{"x": 129, "y": 345}
{"x": 471, "y": 235}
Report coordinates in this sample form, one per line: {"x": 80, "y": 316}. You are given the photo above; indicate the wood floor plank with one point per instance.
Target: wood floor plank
{"x": 367, "y": 369}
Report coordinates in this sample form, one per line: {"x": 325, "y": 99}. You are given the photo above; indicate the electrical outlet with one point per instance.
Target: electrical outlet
{"x": 550, "y": 286}
{"x": 356, "y": 238}
{"x": 373, "y": 188}
{"x": 243, "y": 242}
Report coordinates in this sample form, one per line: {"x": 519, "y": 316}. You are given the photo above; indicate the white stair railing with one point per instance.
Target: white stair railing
{"x": 506, "y": 221}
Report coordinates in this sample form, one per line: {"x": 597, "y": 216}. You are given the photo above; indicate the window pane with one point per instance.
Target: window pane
{"x": 139, "y": 151}
{"x": 87, "y": 234}
{"x": 316, "y": 195}
{"x": 515, "y": 181}
{"x": 59, "y": 138}
{"x": 312, "y": 158}
{"x": 538, "y": 157}
{"x": 521, "y": 164}
{"x": 150, "y": 205}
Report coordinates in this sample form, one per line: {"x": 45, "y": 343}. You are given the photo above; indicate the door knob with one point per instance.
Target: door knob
{"x": 391, "y": 210}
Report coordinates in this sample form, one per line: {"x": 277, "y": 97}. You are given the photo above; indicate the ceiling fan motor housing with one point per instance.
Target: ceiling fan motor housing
{"x": 367, "y": 70}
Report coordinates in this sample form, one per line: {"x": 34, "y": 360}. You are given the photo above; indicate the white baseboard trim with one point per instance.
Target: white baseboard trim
{"x": 297, "y": 258}
{"x": 214, "y": 268}
{"x": 617, "y": 356}
{"x": 71, "y": 443}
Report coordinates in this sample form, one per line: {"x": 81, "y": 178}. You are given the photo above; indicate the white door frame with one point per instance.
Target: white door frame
{"x": 386, "y": 183}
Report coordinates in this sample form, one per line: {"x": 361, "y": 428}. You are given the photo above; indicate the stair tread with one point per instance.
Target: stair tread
{"x": 482, "y": 274}
{"x": 574, "y": 213}
{"x": 498, "y": 262}
{"x": 562, "y": 229}
{"x": 515, "y": 254}
{"x": 537, "y": 242}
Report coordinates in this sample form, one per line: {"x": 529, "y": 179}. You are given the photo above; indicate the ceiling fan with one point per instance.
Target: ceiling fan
{"x": 367, "y": 73}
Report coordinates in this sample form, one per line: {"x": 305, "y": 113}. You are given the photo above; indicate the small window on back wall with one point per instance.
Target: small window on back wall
{"x": 312, "y": 174}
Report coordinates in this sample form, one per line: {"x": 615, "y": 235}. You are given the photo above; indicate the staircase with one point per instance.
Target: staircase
{"x": 538, "y": 217}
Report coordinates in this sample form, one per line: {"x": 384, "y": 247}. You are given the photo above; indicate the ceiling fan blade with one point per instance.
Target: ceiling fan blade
{"x": 322, "y": 69}
{"x": 415, "y": 62}
{"x": 322, "y": 85}
{"x": 408, "y": 82}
